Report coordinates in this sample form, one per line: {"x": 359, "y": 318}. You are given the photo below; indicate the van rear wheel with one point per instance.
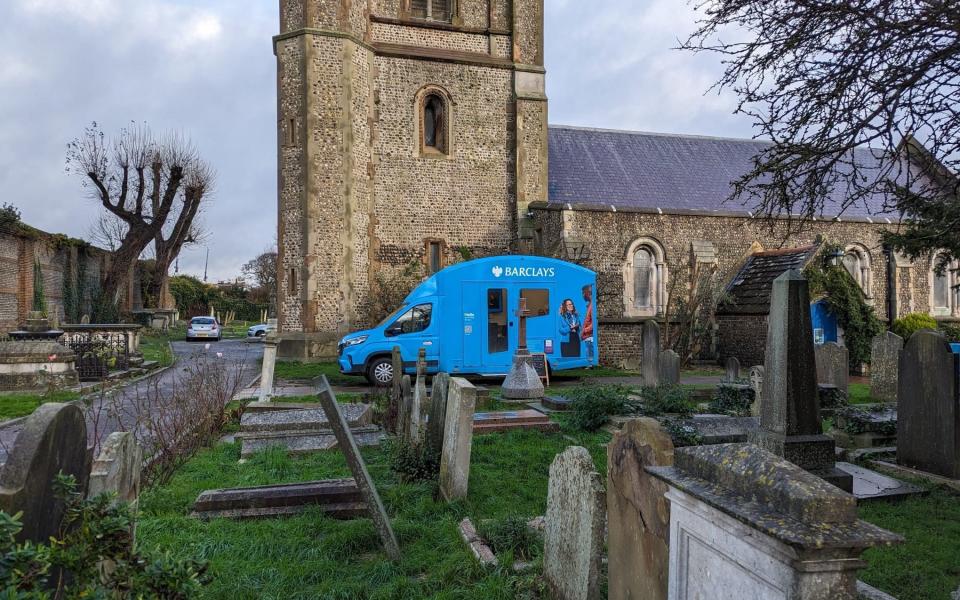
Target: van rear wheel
{"x": 380, "y": 371}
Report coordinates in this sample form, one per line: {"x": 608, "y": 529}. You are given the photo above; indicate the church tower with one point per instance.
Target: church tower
{"x": 411, "y": 133}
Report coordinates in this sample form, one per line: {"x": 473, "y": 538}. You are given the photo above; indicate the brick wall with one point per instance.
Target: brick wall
{"x": 743, "y": 337}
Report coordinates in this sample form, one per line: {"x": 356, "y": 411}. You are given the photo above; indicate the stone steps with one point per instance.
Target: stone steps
{"x": 495, "y": 422}
{"x": 339, "y": 498}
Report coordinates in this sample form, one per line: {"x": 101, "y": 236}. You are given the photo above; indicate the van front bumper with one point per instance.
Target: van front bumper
{"x": 347, "y": 367}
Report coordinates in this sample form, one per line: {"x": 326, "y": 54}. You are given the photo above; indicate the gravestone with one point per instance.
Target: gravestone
{"x": 419, "y": 396}
{"x": 833, "y": 366}
{"x": 337, "y": 498}
{"x": 396, "y": 365}
{"x": 500, "y": 421}
{"x": 457, "y": 439}
{"x": 756, "y": 382}
{"x": 745, "y": 523}
{"x": 437, "y": 418}
{"x": 638, "y": 515}
{"x": 732, "y": 369}
{"x": 790, "y": 411}
{"x": 649, "y": 365}
{"x": 404, "y": 421}
{"x": 669, "y": 368}
{"x": 928, "y": 405}
{"x": 117, "y": 469}
{"x": 53, "y": 440}
{"x": 85, "y": 320}
{"x": 270, "y": 342}
{"x": 885, "y": 366}
{"x": 573, "y": 541}
{"x": 358, "y": 468}
{"x": 522, "y": 382}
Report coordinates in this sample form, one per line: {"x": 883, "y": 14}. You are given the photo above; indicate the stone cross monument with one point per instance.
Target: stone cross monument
{"x": 522, "y": 383}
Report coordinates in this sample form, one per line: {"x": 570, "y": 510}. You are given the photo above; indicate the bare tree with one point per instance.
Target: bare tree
{"x": 108, "y": 232}
{"x": 140, "y": 180}
{"x": 824, "y": 80}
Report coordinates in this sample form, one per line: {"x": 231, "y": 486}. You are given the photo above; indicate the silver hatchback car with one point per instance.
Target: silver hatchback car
{"x": 204, "y": 328}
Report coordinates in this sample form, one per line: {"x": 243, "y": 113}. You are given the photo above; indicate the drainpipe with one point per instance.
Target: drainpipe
{"x": 891, "y": 284}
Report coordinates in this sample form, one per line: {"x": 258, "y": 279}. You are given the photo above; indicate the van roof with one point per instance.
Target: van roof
{"x": 430, "y": 286}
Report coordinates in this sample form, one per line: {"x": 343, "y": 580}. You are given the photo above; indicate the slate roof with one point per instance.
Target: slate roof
{"x": 749, "y": 292}
{"x": 605, "y": 168}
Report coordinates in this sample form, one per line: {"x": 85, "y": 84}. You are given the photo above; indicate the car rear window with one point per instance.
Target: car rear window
{"x": 203, "y": 321}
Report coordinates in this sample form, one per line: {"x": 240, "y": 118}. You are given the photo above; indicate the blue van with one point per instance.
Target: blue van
{"x": 466, "y": 317}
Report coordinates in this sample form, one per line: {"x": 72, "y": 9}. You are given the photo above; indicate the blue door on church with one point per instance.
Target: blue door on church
{"x": 825, "y": 328}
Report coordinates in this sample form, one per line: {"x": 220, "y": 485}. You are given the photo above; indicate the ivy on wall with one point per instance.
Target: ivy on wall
{"x": 845, "y": 301}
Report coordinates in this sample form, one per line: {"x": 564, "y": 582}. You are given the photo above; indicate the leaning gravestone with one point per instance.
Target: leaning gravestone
{"x": 732, "y": 370}
{"x": 457, "y": 439}
{"x": 404, "y": 421}
{"x": 359, "y": 469}
{"x": 747, "y": 524}
{"x": 53, "y": 440}
{"x": 117, "y": 469}
{"x": 270, "y": 343}
{"x": 885, "y": 366}
{"x": 790, "y": 423}
{"x": 833, "y": 366}
{"x": 419, "y": 394}
{"x": 638, "y": 515}
{"x": 928, "y": 406}
{"x": 669, "y": 368}
{"x": 649, "y": 366}
{"x": 437, "y": 418}
{"x": 573, "y": 542}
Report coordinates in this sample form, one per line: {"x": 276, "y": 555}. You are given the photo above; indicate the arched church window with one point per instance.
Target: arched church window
{"x": 644, "y": 279}
{"x": 434, "y": 124}
{"x": 432, "y": 10}
{"x": 944, "y": 293}
{"x": 856, "y": 260}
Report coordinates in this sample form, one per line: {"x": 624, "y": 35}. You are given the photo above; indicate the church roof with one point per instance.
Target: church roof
{"x": 607, "y": 169}
{"x": 749, "y": 292}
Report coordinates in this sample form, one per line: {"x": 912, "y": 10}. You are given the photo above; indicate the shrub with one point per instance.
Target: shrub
{"x": 511, "y": 534}
{"x": 682, "y": 434}
{"x": 594, "y": 404}
{"x": 412, "y": 461}
{"x": 729, "y": 399}
{"x": 98, "y": 532}
{"x": 665, "y": 398}
{"x": 951, "y": 331}
{"x": 907, "y": 325}
{"x": 856, "y": 420}
{"x": 9, "y": 215}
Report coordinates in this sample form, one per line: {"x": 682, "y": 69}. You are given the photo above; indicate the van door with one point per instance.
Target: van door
{"x": 473, "y": 311}
{"x": 486, "y": 325}
{"x": 416, "y": 328}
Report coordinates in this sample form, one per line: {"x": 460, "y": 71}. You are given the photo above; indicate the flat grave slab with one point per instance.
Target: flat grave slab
{"x": 870, "y": 485}
{"x": 552, "y": 404}
{"x": 303, "y": 419}
{"x": 339, "y": 498}
{"x": 723, "y": 429}
{"x": 493, "y": 422}
{"x": 274, "y": 406}
{"x": 305, "y": 442}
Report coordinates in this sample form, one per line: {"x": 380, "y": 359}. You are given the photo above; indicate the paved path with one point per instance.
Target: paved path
{"x": 117, "y": 410}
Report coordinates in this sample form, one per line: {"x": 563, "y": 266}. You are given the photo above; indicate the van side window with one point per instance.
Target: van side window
{"x": 414, "y": 320}
{"x": 496, "y": 320}
{"x": 538, "y": 302}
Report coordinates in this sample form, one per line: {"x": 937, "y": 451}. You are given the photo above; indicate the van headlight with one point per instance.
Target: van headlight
{"x": 355, "y": 341}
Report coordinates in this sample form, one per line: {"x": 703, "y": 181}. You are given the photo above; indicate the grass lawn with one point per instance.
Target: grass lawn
{"x": 927, "y": 566}
{"x": 21, "y": 405}
{"x": 157, "y": 347}
{"x": 299, "y": 370}
{"x": 859, "y": 393}
{"x": 312, "y": 556}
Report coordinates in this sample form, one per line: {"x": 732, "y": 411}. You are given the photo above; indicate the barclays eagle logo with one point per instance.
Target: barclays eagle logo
{"x": 497, "y": 271}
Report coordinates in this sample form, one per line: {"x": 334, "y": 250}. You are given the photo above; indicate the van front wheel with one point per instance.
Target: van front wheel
{"x": 380, "y": 371}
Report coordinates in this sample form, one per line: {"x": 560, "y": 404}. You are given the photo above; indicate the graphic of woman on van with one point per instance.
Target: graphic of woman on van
{"x": 570, "y": 328}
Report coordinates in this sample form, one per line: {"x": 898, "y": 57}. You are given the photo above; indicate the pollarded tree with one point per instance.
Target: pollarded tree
{"x": 823, "y": 79}
{"x": 143, "y": 181}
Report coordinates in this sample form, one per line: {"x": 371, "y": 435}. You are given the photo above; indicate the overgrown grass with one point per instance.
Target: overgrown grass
{"x": 928, "y": 564}
{"x": 593, "y": 373}
{"x": 312, "y": 556}
{"x": 21, "y": 405}
{"x": 299, "y": 370}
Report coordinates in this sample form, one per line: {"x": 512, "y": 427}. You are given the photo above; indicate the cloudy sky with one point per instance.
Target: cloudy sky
{"x": 206, "y": 68}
